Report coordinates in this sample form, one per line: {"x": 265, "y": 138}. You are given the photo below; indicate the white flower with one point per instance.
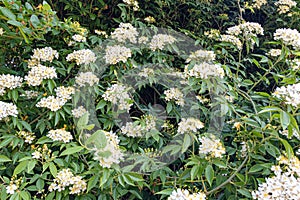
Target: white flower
{"x": 284, "y": 6}
{"x": 11, "y": 189}
{"x": 38, "y": 73}
{"x": 290, "y": 93}
{"x": 116, "y": 53}
{"x": 181, "y": 194}
{"x": 83, "y": 56}
{"x": 52, "y": 103}
{"x": 189, "y": 125}
{"x": 60, "y": 135}
{"x": 231, "y": 39}
{"x": 160, "y": 40}
{"x": 133, "y": 3}
{"x": 125, "y": 32}
{"x": 64, "y": 92}
{"x": 44, "y": 54}
{"x": 258, "y": 3}
{"x": 174, "y": 94}
{"x": 288, "y": 37}
{"x": 27, "y": 136}
{"x": 8, "y": 81}
{"x": 204, "y": 70}
{"x": 149, "y": 19}
{"x": 211, "y": 146}
{"x": 1, "y": 31}
{"x": 86, "y": 78}
{"x": 7, "y": 109}
{"x": 78, "y": 112}
{"x": 274, "y": 52}
{"x": 101, "y": 33}
{"x": 117, "y": 94}
{"x": 247, "y": 29}
{"x": 79, "y": 38}
{"x": 202, "y": 56}
{"x": 36, "y": 155}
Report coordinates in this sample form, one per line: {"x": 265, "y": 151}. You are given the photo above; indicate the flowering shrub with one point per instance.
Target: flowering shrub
{"x": 108, "y": 101}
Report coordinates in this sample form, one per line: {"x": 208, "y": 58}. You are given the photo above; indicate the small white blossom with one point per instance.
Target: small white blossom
{"x": 79, "y": 38}
{"x": 284, "y": 6}
{"x": 125, "y": 32}
{"x": 83, "y": 56}
{"x": 7, "y": 109}
{"x": 11, "y": 189}
{"x": 176, "y": 95}
{"x": 78, "y": 112}
{"x": 160, "y": 40}
{"x": 211, "y": 146}
{"x": 60, "y": 135}
{"x": 189, "y": 125}
{"x": 86, "y": 78}
{"x": 288, "y": 37}
{"x": 44, "y": 54}
{"x": 116, "y": 53}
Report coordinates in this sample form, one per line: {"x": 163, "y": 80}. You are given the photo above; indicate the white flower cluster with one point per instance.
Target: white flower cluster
{"x": 274, "y": 52}
{"x": 79, "y": 38}
{"x": 65, "y": 178}
{"x": 295, "y": 64}
{"x": 150, "y": 19}
{"x": 232, "y": 39}
{"x": 86, "y": 78}
{"x": 27, "y": 136}
{"x": 134, "y": 129}
{"x": 117, "y": 94}
{"x": 44, "y": 54}
{"x": 30, "y": 94}
{"x": 259, "y": 3}
{"x": 211, "y": 146}
{"x": 42, "y": 153}
{"x": 288, "y": 37}
{"x": 247, "y": 29}
{"x": 7, "y": 109}
{"x": 101, "y": 33}
{"x": 125, "y": 32}
{"x": 133, "y": 3}
{"x": 285, "y": 183}
{"x": 38, "y": 73}
{"x": 174, "y": 94}
{"x": 143, "y": 40}
{"x": 116, "y": 53}
{"x": 146, "y": 72}
{"x": 294, "y": 133}
{"x": 55, "y": 103}
{"x": 290, "y": 93}
{"x": 181, "y": 194}
{"x": 78, "y": 112}
{"x": 8, "y": 81}
{"x": 1, "y": 31}
{"x": 204, "y": 70}
{"x": 60, "y": 135}
{"x": 160, "y": 40}
{"x": 189, "y": 125}
{"x": 202, "y": 56}
{"x": 83, "y": 56}
{"x": 284, "y": 6}
{"x": 13, "y": 185}
{"x": 112, "y": 146}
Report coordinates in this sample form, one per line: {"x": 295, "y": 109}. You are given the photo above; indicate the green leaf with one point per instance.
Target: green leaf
{"x": 83, "y": 121}
{"x": 92, "y": 182}
{"x": 7, "y": 13}
{"x": 288, "y": 148}
{"x": 34, "y": 21}
{"x": 105, "y": 176}
{"x": 25, "y": 195}
{"x": 169, "y": 107}
{"x": 40, "y": 184}
{"x": 269, "y": 109}
{"x": 53, "y": 169}
{"x": 186, "y": 142}
{"x": 245, "y": 192}
{"x": 97, "y": 139}
{"x": 209, "y": 174}
{"x": 284, "y": 119}
{"x": 20, "y": 167}
{"x": 14, "y": 23}
{"x": 30, "y": 166}
{"x": 71, "y": 150}
{"x": 256, "y": 168}
{"x": 26, "y": 125}
{"x": 4, "y": 158}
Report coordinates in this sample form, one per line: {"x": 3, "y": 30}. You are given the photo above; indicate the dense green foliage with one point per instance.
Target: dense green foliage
{"x": 240, "y": 103}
